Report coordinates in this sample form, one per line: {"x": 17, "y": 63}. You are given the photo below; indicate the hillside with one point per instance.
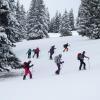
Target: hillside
{"x": 71, "y": 84}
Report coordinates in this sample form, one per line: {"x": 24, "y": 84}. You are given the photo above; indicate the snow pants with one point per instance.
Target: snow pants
{"x": 58, "y": 70}
{"x": 51, "y": 55}
{"x": 65, "y": 49}
{"x": 82, "y": 63}
{"x": 37, "y": 55}
{"x": 27, "y": 71}
{"x": 29, "y": 55}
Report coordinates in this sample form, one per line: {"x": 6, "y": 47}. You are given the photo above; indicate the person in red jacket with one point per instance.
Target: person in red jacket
{"x": 26, "y": 67}
{"x": 36, "y": 52}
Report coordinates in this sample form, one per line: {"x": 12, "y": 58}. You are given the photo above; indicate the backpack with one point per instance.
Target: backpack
{"x": 65, "y": 45}
{"x": 56, "y": 59}
{"x": 79, "y": 56}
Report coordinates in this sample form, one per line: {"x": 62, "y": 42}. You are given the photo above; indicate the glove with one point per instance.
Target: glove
{"x": 88, "y": 58}
{"x": 32, "y": 65}
{"x": 62, "y": 62}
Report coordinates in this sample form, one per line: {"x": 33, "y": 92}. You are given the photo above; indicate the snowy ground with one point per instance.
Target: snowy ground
{"x": 45, "y": 85}
{"x": 54, "y": 35}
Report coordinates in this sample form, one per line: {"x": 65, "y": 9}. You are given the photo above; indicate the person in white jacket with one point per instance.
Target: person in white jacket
{"x": 58, "y": 63}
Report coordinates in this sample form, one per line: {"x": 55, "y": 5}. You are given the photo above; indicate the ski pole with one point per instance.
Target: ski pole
{"x": 89, "y": 64}
{"x": 32, "y": 69}
{"x": 62, "y": 64}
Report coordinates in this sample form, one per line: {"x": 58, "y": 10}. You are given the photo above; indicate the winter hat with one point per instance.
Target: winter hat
{"x": 25, "y": 63}
{"x": 83, "y": 51}
{"x": 29, "y": 61}
{"x": 60, "y": 55}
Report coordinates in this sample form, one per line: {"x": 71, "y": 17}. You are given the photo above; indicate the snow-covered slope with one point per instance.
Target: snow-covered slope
{"x": 71, "y": 84}
{"x": 54, "y": 35}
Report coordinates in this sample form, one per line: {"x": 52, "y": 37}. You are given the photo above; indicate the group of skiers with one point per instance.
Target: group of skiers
{"x": 52, "y": 49}
{"x": 57, "y": 59}
{"x": 35, "y": 51}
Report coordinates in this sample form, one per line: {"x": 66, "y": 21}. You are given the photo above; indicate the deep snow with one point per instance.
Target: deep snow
{"x": 71, "y": 84}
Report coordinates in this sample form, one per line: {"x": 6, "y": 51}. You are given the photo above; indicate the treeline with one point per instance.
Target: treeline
{"x": 88, "y": 21}
{"x": 16, "y": 25}
{"x": 10, "y": 32}
{"x": 63, "y": 24}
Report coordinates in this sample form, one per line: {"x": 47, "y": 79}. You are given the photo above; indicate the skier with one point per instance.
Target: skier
{"x": 36, "y": 52}
{"x": 29, "y": 53}
{"x": 65, "y": 47}
{"x": 81, "y": 57}
{"x": 51, "y": 51}
{"x": 26, "y": 67}
{"x": 58, "y": 63}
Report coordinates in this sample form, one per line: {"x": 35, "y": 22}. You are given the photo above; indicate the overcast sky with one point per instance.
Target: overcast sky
{"x": 54, "y": 5}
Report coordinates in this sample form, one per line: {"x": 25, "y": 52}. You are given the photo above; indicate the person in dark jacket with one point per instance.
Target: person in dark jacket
{"x": 58, "y": 63}
{"x": 65, "y": 47}
{"x": 29, "y": 53}
{"x": 26, "y": 67}
{"x": 51, "y": 51}
{"x": 81, "y": 59}
{"x": 36, "y": 52}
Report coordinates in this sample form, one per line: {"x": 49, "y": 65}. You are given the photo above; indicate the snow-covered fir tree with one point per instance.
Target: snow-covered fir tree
{"x": 7, "y": 57}
{"x": 37, "y": 26}
{"x": 65, "y": 27}
{"x": 47, "y": 19}
{"x": 55, "y": 23}
{"x": 51, "y": 26}
{"x": 13, "y": 29}
{"x": 71, "y": 20}
{"x": 21, "y": 18}
{"x": 3, "y": 13}
{"x": 88, "y": 22}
